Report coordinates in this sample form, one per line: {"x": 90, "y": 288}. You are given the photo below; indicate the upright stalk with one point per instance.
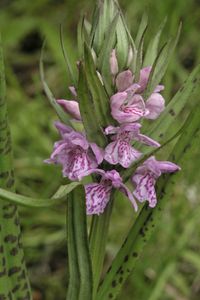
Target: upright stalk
{"x": 98, "y": 238}
{"x": 80, "y": 268}
{"x": 14, "y": 283}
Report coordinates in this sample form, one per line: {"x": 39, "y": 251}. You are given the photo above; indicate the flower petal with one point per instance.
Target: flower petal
{"x": 78, "y": 164}
{"x": 145, "y": 190}
{"x": 168, "y": 167}
{"x": 125, "y": 109}
{"x": 98, "y": 152}
{"x": 120, "y": 151}
{"x": 155, "y": 105}
{"x": 97, "y": 197}
{"x": 128, "y": 193}
{"x": 124, "y": 80}
{"x": 146, "y": 140}
{"x": 144, "y": 77}
{"x": 71, "y": 107}
{"x": 159, "y": 88}
{"x": 62, "y": 128}
{"x": 111, "y": 130}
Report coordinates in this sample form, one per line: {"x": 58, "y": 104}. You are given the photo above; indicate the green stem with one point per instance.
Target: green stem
{"x": 73, "y": 285}
{"x": 14, "y": 283}
{"x": 98, "y": 238}
{"x": 80, "y": 267}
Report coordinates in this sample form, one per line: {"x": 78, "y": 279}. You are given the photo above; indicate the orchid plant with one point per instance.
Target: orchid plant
{"x": 110, "y": 131}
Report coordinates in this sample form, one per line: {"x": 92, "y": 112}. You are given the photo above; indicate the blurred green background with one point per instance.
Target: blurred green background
{"x": 170, "y": 266}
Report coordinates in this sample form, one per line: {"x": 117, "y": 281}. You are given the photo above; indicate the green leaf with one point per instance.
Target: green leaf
{"x": 37, "y": 202}
{"x": 122, "y": 46}
{"x": 68, "y": 65}
{"x": 161, "y": 63}
{"x": 104, "y": 55}
{"x": 142, "y": 29}
{"x": 90, "y": 119}
{"x": 139, "y": 59}
{"x": 99, "y": 96}
{"x": 160, "y": 127}
{"x": 64, "y": 117}
{"x": 131, "y": 41}
{"x": 152, "y": 50}
{"x": 142, "y": 229}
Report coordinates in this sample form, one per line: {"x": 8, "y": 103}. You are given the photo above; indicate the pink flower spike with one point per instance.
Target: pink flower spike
{"x": 77, "y": 157}
{"x": 145, "y": 178}
{"x": 71, "y": 107}
{"x": 124, "y": 80}
{"x": 98, "y": 194}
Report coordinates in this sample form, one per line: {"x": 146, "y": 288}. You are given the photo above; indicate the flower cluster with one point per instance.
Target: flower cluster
{"x": 79, "y": 158}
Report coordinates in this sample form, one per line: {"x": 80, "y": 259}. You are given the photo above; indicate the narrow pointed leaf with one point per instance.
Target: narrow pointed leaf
{"x": 90, "y": 119}
{"x": 122, "y": 44}
{"x": 66, "y": 58}
{"x": 99, "y": 96}
{"x": 161, "y": 63}
{"x": 160, "y": 128}
{"x": 37, "y": 202}
{"x": 64, "y": 117}
{"x": 142, "y": 28}
{"x": 152, "y": 49}
{"x": 104, "y": 55}
{"x": 139, "y": 60}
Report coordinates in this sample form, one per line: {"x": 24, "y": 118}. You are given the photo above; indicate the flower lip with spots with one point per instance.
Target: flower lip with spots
{"x": 98, "y": 194}
{"x": 120, "y": 151}
{"x": 145, "y": 178}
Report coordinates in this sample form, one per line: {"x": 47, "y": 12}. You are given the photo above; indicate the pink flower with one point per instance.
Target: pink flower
{"x": 71, "y": 106}
{"x": 120, "y": 151}
{"x": 145, "y": 178}
{"x": 128, "y": 105}
{"x": 98, "y": 194}
{"x": 76, "y": 155}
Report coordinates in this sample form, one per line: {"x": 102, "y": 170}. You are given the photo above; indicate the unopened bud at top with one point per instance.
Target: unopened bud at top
{"x": 113, "y": 63}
